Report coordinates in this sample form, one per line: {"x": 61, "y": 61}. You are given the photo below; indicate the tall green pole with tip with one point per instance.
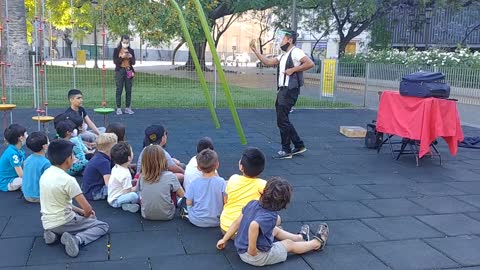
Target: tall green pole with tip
{"x": 221, "y": 74}
{"x": 198, "y": 68}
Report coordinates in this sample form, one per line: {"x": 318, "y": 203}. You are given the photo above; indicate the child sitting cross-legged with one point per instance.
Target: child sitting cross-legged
{"x": 206, "y": 195}
{"x": 97, "y": 173}
{"x": 66, "y": 130}
{"x": 257, "y": 230}
{"x": 11, "y": 162}
{"x": 121, "y": 193}
{"x": 192, "y": 172}
{"x": 35, "y": 165}
{"x": 156, "y": 185}
{"x": 77, "y": 226}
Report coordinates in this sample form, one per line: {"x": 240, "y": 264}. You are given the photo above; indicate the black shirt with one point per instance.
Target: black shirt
{"x": 81, "y": 112}
{"x": 118, "y": 60}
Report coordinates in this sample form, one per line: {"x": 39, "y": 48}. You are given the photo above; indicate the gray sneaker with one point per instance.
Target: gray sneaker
{"x": 71, "y": 244}
{"x": 282, "y": 155}
{"x": 49, "y": 237}
{"x": 131, "y": 207}
{"x": 119, "y": 111}
{"x": 128, "y": 111}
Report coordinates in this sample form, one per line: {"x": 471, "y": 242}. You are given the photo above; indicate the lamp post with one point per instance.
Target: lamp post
{"x": 94, "y": 5}
{"x": 428, "y": 20}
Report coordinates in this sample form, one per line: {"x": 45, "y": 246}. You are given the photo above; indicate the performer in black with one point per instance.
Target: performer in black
{"x": 290, "y": 67}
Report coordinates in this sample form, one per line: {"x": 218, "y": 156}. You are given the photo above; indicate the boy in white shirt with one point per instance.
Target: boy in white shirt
{"x": 121, "y": 193}
{"x": 77, "y": 226}
{"x": 191, "y": 171}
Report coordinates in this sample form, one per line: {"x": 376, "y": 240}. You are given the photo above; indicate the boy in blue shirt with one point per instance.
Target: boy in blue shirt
{"x": 206, "y": 195}
{"x": 35, "y": 165}
{"x": 97, "y": 173}
{"x": 256, "y": 229}
{"x": 11, "y": 161}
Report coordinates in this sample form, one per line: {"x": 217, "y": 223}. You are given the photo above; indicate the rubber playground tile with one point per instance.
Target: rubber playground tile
{"x": 452, "y": 224}
{"x": 19, "y": 226}
{"x": 345, "y": 257}
{"x": 125, "y": 245}
{"x": 462, "y": 249}
{"x": 140, "y": 264}
{"x": 349, "y": 192}
{"x": 444, "y": 205}
{"x": 396, "y": 207}
{"x": 15, "y": 251}
{"x": 331, "y": 210}
{"x": 348, "y": 232}
{"x": 409, "y": 254}
{"x": 292, "y": 262}
{"x": 386, "y": 191}
{"x": 197, "y": 261}
{"x": 50, "y": 254}
{"x": 398, "y": 228}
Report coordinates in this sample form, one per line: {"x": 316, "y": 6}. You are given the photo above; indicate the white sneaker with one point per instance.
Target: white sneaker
{"x": 128, "y": 111}
{"x": 119, "y": 111}
{"x": 71, "y": 244}
{"x": 131, "y": 207}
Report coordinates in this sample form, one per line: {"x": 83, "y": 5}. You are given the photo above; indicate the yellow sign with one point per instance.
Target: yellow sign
{"x": 81, "y": 57}
{"x": 328, "y": 77}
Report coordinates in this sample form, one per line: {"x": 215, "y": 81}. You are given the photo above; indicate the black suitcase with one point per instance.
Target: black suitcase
{"x": 425, "y": 84}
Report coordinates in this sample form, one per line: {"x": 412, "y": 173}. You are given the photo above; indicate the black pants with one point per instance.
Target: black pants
{"x": 286, "y": 99}
{"x": 122, "y": 80}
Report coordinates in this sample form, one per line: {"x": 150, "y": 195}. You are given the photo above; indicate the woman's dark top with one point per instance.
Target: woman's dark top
{"x": 118, "y": 60}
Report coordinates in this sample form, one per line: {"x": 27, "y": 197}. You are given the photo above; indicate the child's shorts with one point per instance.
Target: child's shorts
{"x": 277, "y": 254}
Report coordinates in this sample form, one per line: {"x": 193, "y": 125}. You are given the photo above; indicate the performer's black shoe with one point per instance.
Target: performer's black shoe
{"x": 300, "y": 150}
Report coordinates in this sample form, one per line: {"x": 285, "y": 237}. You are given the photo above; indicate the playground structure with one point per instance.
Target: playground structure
{"x": 39, "y": 68}
{"x": 5, "y": 107}
{"x": 103, "y": 110}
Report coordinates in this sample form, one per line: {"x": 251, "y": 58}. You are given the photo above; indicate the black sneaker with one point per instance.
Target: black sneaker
{"x": 282, "y": 155}
{"x": 300, "y": 150}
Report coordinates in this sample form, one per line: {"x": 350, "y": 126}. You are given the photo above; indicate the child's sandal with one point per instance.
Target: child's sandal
{"x": 322, "y": 235}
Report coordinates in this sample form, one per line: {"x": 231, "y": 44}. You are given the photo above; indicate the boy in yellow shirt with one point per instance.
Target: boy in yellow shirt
{"x": 241, "y": 189}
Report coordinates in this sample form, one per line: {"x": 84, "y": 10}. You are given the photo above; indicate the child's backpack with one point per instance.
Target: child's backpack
{"x": 373, "y": 138}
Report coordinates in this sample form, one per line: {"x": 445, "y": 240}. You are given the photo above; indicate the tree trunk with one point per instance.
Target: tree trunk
{"x": 342, "y": 45}
{"x": 15, "y": 44}
{"x": 200, "y": 50}
{"x": 176, "y": 50}
{"x": 260, "y": 45}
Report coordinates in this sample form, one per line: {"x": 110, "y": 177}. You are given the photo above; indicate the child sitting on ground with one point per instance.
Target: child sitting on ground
{"x": 66, "y": 130}
{"x": 11, "y": 161}
{"x": 242, "y": 189}
{"x": 191, "y": 171}
{"x": 97, "y": 173}
{"x": 35, "y": 165}
{"x": 77, "y": 226}
{"x": 206, "y": 195}
{"x": 120, "y": 190}
{"x": 157, "y": 135}
{"x": 75, "y": 97}
{"x": 256, "y": 229}
{"x": 118, "y": 129}
{"x": 156, "y": 185}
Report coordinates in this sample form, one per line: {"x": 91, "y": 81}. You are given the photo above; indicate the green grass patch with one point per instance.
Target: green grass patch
{"x": 152, "y": 91}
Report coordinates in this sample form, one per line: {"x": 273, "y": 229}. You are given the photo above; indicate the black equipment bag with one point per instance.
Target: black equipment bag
{"x": 373, "y": 139}
{"x": 425, "y": 84}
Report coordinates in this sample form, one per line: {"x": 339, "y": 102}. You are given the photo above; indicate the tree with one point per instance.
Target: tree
{"x": 157, "y": 22}
{"x": 265, "y": 20}
{"x": 318, "y": 23}
{"x": 17, "y": 51}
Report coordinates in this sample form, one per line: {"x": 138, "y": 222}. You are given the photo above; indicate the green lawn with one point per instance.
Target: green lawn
{"x": 152, "y": 91}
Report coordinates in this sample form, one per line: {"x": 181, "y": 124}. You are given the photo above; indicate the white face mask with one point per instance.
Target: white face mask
{"x": 75, "y": 133}
{"x": 25, "y": 141}
{"x": 124, "y": 45}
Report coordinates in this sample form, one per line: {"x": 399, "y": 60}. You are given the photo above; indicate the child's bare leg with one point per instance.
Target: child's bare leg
{"x": 284, "y": 235}
{"x": 301, "y": 247}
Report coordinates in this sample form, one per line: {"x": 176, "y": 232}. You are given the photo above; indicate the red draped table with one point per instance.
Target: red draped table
{"x": 420, "y": 119}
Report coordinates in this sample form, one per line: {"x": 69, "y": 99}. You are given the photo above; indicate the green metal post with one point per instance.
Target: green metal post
{"x": 198, "y": 68}
{"x": 221, "y": 74}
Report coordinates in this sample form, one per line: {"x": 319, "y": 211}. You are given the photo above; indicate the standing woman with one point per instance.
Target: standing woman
{"x": 124, "y": 59}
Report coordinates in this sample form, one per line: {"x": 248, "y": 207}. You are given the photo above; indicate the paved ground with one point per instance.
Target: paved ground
{"x": 383, "y": 214}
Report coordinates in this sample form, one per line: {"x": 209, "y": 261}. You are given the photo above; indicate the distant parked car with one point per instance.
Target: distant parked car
{"x": 238, "y": 58}
{"x": 259, "y": 64}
